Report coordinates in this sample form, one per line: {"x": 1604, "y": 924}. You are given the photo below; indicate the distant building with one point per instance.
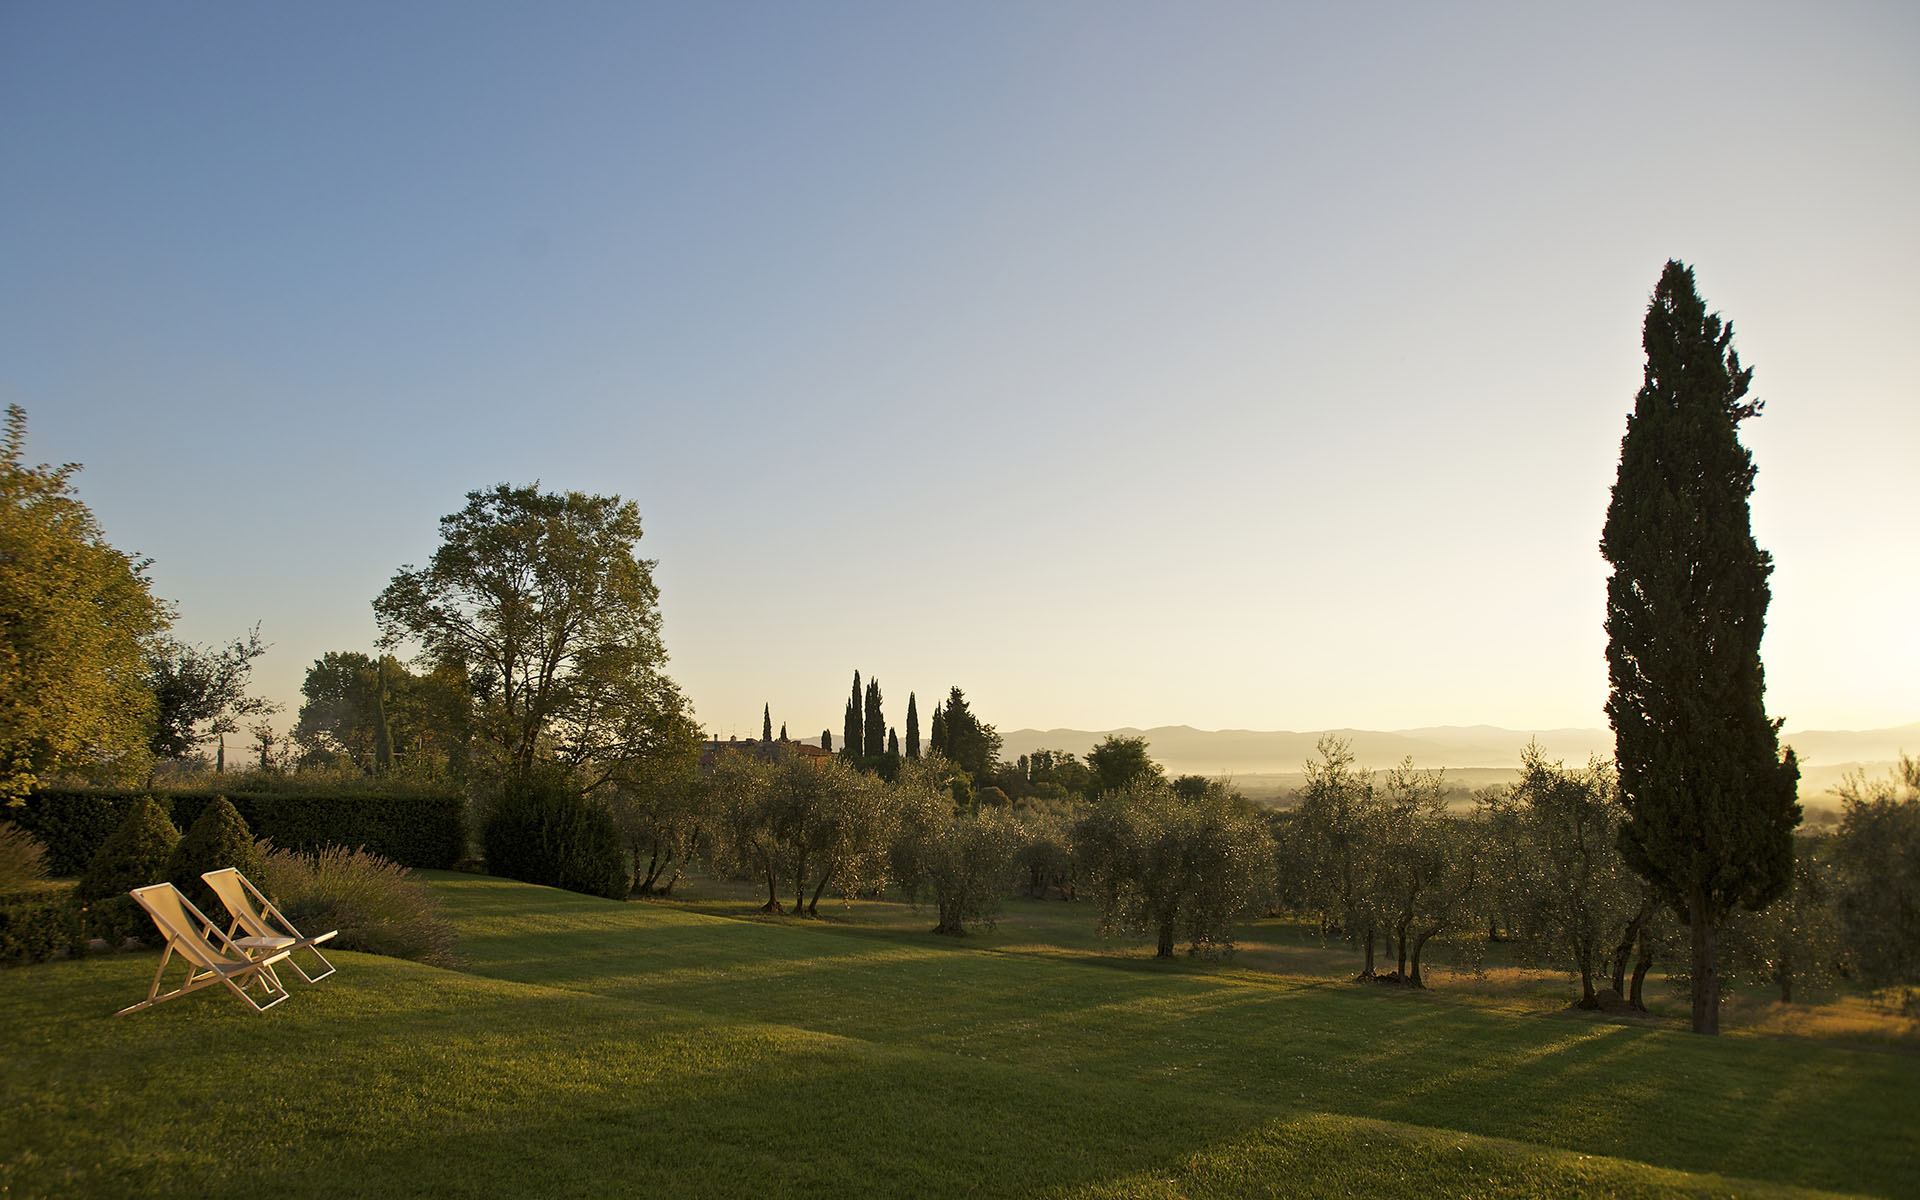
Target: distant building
{"x": 713, "y": 748}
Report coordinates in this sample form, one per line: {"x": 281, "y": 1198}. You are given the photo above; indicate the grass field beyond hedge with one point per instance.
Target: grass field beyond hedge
{"x": 595, "y": 1048}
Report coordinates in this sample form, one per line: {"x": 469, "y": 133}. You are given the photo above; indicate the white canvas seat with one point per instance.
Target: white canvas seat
{"x": 263, "y": 924}
{"x": 211, "y": 956}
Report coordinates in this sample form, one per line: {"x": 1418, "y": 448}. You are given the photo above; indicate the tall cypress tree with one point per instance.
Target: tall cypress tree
{"x": 937, "y": 737}
{"x": 913, "y": 728}
{"x": 766, "y": 722}
{"x": 783, "y": 731}
{"x": 1711, "y": 805}
{"x": 382, "y": 732}
{"x": 826, "y": 739}
{"x": 876, "y": 725}
{"x": 852, "y": 739}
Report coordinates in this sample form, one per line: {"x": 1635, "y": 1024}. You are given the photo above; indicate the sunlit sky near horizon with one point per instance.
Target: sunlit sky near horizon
{"x": 1231, "y": 365}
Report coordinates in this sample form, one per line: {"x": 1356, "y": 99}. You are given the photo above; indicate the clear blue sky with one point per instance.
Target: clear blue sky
{"x": 1256, "y": 366}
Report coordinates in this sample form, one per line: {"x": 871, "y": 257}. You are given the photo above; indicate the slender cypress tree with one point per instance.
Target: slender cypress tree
{"x": 937, "y": 736}
{"x": 913, "y": 728}
{"x": 853, "y": 740}
{"x": 1711, "y": 805}
{"x": 766, "y": 722}
{"x": 382, "y": 732}
{"x": 876, "y": 725}
{"x": 783, "y": 731}
{"x": 893, "y": 742}
{"x": 826, "y": 739}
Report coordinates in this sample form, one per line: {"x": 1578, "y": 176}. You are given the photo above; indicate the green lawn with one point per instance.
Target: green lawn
{"x": 595, "y": 1048}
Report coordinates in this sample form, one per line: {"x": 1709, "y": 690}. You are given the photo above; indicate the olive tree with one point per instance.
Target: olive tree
{"x": 1581, "y": 901}
{"x": 1335, "y": 838}
{"x": 1876, "y": 851}
{"x": 1173, "y": 866}
{"x": 960, "y": 857}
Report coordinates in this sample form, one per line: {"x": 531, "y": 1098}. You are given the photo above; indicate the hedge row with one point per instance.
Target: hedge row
{"x": 413, "y": 828}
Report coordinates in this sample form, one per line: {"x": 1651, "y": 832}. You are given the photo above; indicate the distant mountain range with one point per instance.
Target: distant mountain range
{"x": 1183, "y": 750}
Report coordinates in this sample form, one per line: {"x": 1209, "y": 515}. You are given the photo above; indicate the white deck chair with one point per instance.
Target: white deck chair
{"x": 212, "y": 957}
{"x": 256, "y": 915}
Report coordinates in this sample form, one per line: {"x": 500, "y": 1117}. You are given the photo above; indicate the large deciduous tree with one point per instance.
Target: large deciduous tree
{"x": 1710, "y": 805}
{"x": 74, "y": 616}
{"x": 200, "y": 692}
{"x": 541, "y": 600}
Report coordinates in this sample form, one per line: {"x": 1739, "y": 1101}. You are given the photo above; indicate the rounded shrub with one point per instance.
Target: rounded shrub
{"x": 218, "y": 838}
{"x": 370, "y": 901}
{"x": 134, "y": 855}
{"x": 542, "y": 830}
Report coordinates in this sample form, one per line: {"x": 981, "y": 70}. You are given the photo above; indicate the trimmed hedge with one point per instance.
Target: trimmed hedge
{"x": 413, "y": 828}
{"x": 36, "y": 921}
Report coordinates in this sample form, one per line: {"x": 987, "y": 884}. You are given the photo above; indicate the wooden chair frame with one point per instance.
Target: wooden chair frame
{"x": 208, "y": 963}
{"x": 254, "y": 913}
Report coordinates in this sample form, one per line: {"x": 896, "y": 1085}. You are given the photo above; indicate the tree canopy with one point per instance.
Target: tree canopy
{"x": 965, "y": 740}
{"x": 1118, "y": 761}
{"x": 541, "y": 601}
{"x": 1710, "y": 805}
{"x": 200, "y": 692}
{"x": 75, "y": 616}
{"x": 355, "y": 705}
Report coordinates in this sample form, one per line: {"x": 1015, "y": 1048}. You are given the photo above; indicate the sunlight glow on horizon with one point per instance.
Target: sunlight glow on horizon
{"x": 1259, "y": 369}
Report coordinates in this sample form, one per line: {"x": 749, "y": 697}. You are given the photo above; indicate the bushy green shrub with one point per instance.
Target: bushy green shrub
{"x": 36, "y": 919}
{"x": 368, "y": 899}
{"x": 217, "y": 838}
{"x": 544, "y": 831}
{"x": 135, "y": 855}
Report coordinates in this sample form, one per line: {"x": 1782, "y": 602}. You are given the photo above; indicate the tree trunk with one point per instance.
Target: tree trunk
{"x": 1419, "y": 944}
{"x": 1641, "y": 965}
{"x": 773, "y": 891}
{"x": 1627, "y": 942}
{"x": 1366, "y": 972}
{"x": 1706, "y": 967}
{"x": 1588, "y": 997}
{"x": 813, "y": 905}
{"x": 1401, "y": 933}
{"x": 1165, "y": 947}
